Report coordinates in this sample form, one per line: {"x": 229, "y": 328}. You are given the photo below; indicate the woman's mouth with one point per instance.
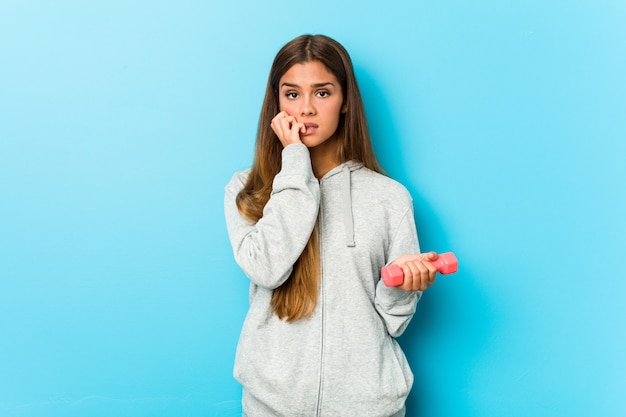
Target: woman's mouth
{"x": 310, "y": 128}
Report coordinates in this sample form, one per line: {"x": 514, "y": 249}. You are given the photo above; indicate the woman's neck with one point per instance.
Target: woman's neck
{"x": 324, "y": 158}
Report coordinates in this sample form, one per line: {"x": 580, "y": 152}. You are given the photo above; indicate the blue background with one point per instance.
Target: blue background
{"x": 121, "y": 122}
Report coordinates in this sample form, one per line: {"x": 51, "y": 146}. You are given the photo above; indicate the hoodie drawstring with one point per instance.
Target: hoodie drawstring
{"x": 348, "y": 220}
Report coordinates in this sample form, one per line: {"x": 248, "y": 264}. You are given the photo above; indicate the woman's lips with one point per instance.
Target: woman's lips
{"x": 310, "y": 128}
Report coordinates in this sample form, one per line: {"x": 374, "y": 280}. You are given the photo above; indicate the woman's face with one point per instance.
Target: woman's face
{"x": 313, "y": 96}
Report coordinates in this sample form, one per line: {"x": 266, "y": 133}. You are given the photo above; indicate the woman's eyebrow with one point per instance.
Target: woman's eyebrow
{"x": 317, "y": 85}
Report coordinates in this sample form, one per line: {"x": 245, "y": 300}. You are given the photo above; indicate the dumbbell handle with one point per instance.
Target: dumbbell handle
{"x": 393, "y": 275}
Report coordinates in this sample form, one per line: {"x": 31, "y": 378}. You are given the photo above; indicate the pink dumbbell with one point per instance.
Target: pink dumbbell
{"x": 446, "y": 263}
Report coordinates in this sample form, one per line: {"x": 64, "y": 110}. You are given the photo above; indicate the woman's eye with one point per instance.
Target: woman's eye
{"x": 291, "y": 95}
{"x": 323, "y": 93}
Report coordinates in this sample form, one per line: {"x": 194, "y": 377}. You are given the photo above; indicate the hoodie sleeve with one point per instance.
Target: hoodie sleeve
{"x": 394, "y": 305}
{"x": 267, "y": 250}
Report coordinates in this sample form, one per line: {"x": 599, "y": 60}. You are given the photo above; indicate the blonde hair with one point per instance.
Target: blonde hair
{"x": 297, "y": 297}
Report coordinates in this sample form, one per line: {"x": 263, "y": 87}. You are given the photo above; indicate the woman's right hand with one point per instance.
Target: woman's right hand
{"x": 287, "y": 128}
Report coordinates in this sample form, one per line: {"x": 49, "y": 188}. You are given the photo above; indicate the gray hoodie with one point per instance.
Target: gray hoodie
{"x": 343, "y": 360}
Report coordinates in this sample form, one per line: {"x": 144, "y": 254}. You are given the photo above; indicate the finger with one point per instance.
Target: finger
{"x": 279, "y": 117}
{"x": 417, "y": 273}
{"x": 431, "y": 275}
{"x": 407, "y": 284}
{"x": 286, "y": 128}
{"x": 429, "y": 256}
{"x": 427, "y": 274}
{"x": 296, "y": 128}
{"x": 283, "y": 120}
{"x": 277, "y": 123}
{"x": 424, "y": 275}
{"x": 293, "y": 134}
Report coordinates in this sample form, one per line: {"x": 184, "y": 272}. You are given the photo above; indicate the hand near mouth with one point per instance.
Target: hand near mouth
{"x": 288, "y": 129}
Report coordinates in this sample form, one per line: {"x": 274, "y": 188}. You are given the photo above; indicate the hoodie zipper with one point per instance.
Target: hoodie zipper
{"x": 349, "y": 239}
{"x": 318, "y": 412}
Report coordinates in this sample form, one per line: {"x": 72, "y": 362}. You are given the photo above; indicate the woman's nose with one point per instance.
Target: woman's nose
{"x": 308, "y": 108}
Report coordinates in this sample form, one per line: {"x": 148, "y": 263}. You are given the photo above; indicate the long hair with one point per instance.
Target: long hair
{"x": 297, "y": 297}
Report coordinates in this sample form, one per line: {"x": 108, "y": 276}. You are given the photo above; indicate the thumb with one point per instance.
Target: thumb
{"x": 429, "y": 256}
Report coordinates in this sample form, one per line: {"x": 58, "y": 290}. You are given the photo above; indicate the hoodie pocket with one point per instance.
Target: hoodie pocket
{"x": 272, "y": 362}
{"x": 395, "y": 376}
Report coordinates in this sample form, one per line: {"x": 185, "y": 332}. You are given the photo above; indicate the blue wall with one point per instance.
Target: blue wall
{"x": 121, "y": 122}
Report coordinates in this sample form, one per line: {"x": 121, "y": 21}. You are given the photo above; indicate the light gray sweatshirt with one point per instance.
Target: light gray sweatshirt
{"x": 343, "y": 360}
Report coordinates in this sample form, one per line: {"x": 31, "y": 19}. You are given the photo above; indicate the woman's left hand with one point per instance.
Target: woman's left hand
{"x": 419, "y": 272}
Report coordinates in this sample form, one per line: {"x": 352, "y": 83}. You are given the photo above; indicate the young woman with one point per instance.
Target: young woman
{"x": 312, "y": 223}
